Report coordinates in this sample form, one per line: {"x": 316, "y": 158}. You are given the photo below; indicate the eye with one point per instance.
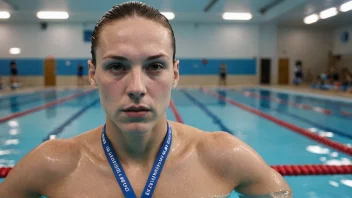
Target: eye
{"x": 117, "y": 67}
{"x": 155, "y": 67}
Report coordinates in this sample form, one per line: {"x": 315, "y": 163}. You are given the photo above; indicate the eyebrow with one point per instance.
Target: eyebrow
{"x": 157, "y": 56}
{"x": 121, "y": 58}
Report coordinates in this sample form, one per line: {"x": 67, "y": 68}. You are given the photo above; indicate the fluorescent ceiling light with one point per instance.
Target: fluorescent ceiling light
{"x": 168, "y": 15}
{"x": 328, "y": 13}
{"x": 4, "y": 15}
{"x": 52, "y": 15}
{"x": 311, "y": 19}
{"x": 237, "y": 16}
{"x": 346, "y": 7}
{"x": 15, "y": 50}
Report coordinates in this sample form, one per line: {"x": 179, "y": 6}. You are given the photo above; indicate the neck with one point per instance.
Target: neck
{"x": 139, "y": 147}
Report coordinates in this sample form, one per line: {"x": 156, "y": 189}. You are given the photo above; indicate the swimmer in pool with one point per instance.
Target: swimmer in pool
{"x": 138, "y": 152}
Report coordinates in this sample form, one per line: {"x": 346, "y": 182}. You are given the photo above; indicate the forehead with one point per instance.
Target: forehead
{"x": 134, "y": 37}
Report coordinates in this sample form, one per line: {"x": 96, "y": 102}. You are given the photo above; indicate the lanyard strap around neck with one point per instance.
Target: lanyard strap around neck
{"x": 120, "y": 174}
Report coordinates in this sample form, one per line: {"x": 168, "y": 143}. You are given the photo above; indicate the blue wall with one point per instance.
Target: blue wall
{"x": 234, "y": 66}
{"x": 26, "y": 67}
{"x": 34, "y": 67}
{"x": 63, "y": 70}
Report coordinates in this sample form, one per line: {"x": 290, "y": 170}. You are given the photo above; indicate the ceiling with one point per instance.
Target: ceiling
{"x": 281, "y": 12}
{"x": 295, "y": 16}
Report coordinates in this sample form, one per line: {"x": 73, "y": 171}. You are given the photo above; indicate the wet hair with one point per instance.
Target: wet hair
{"x": 129, "y": 10}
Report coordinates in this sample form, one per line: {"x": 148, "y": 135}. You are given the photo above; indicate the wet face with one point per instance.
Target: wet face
{"x": 134, "y": 73}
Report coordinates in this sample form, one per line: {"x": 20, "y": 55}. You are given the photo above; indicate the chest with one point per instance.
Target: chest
{"x": 185, "y": 178}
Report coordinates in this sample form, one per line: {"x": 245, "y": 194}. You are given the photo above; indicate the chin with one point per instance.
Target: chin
{"x": 135, "y": 127}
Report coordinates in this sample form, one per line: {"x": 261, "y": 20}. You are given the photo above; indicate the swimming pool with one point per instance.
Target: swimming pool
{"x": 277, "y": 144}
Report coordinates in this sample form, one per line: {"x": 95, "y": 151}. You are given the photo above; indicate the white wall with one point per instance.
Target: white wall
{"x": 267, "y": 48}
{"x": 343, "y": 49}
{"x": 66, "y": 41}
{"x": 340, "y": 47}
{"x": 216, "y": 41}
{"x": 192, "y": 41}
{"x": 59, "y": 40}
{"x": 308, "y": 45}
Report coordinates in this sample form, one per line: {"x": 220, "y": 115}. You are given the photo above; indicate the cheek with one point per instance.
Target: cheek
{"x": 113, "y": 92}
{"x": 108, "y": 88}
{"x": 160, "y": 91}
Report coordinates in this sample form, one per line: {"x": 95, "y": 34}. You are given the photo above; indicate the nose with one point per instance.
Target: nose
{"x": 135, "y": 87}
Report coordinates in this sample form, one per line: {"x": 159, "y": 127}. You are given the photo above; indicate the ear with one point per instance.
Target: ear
{"x": 176, "y": 73}
{"x": 91, "y": 74}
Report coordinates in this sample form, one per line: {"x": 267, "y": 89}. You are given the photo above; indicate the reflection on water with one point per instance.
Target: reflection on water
{"x": 221, "y": 93}
{"x": 323, "y": 159}
{"x": 13, "y": 123}
{"x": 282, "y": 106}
{"x": 49, "y": 97}
{"x": 8, "y": 152}
{"x": 7, "y": 163}
{"x": 337, "y": 162}
{"x": 317, "y": 149}
{"x": 334, "y": 154}
{"x": 347, "y": 182}
{"x": 12, "y": 142}
{"x": 333, "y": 183}
{"x": 15, "y": 107}
{"x": 321, "y": 133}
{"x": 314, "y": 130}
{"x": 14, "y": 131}
{"x": 326, "y": 134}
{"x": 264, "y": 94}
{"x": 51, "y": 137}
{"x": 298, "y": 99}
{"x": 324, "y": 151}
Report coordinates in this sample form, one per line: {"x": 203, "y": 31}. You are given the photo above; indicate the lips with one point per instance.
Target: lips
{"x": 136, "y": 109}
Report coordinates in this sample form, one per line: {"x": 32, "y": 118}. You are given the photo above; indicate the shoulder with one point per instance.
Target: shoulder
{"x": 48, "y": 163}
{"x": 58, "y": 157}
{"x": 211, "y": 147}
{"x": 230, "y": 158}
{"x": 236, "y": 162}
{"x": 217, "y": 148}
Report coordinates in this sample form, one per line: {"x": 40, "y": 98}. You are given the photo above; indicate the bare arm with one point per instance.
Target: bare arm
{"x": 280, "y": 194}
{"x": 39, "y": 169}
{"x": 245, "y": 169}
{"x": 257, "y": 178}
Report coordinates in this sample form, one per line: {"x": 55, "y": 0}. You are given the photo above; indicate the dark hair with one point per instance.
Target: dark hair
{"x": 125, "y": 10}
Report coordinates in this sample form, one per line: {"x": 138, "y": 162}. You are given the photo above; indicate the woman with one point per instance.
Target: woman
{"x": 138, "y": 153}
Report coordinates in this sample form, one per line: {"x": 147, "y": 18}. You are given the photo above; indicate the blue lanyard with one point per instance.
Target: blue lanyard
{"x": 120, "y": 174}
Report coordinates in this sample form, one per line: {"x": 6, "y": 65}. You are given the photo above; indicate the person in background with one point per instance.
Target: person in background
{"x": 331, "y": 75}
{"x": 335, "y": 75}
{"x": 1, "y": 84}
{"x": 323, "y": 79}
{"x": 335, "y": 78}
{"x": 347, "y": 81}
{"x": 80, "y": 81}
{"x": 223, "y": 74}
{"x": 298, "y": 73}
{"x": 13, "y": 78}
